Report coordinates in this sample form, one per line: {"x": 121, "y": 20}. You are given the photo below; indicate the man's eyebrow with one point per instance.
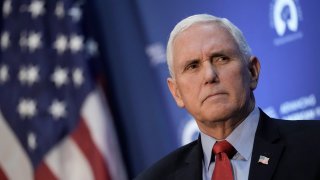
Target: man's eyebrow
{"x": 225, "y": 52}
{"x": 187, "y": 62}
{"x": 218, "y": 54}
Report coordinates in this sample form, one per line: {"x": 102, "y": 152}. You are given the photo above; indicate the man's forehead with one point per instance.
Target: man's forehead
{"x": 204, "y": 36}
{"x": 216, "y": 30}
{"x": 199, "y": 25}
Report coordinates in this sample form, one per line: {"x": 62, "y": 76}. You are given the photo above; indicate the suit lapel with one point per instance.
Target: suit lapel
{"x": 192, "y": 168}
{"x": 266, "y": 144}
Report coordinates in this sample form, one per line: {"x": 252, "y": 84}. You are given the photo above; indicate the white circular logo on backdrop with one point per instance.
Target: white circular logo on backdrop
{"x": 285, "y": 15}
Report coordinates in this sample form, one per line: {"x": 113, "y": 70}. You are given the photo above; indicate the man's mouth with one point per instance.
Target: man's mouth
{"x": 214, "y": 95}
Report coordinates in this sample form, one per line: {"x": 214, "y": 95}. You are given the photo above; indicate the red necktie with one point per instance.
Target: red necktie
{"x": 223, "y": 150}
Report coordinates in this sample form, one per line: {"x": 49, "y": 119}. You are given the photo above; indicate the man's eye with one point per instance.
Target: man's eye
{"x": 222, "y": 59}
{"x": 192, "y": 66}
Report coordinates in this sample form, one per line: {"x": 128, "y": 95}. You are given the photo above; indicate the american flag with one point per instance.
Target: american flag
{"x": 263, "y": 160}
{"x": 54, "y": 119}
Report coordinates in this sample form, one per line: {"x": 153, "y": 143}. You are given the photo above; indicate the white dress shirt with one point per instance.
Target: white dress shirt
{"x": 241, "y": 138}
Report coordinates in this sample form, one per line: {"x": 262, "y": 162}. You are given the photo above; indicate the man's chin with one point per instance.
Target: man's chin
{"x": 217, "y": 116}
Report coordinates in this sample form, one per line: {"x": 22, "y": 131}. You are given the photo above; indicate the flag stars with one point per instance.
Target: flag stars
{"x": 77, "y": 77}
{"x": 36, "y": 8}
{"x": 61, "y": 44}
{"x": 30, "y": 40}
{"x": 59, "y": 10}
{"x": 75, "y": 13}
{"x": 29, "y": 75}
{"x": 23, "y": 41}
{"x": 57, "y": 109}
{"x": 5, "y": 40}
{"x": 32, "y": 141}
{"x": 27, "y": 108}
{"x": 34, "y": 41}
{"x": 4, "y": 74}
{"x": 6, "y": 8}
{"x": 60, "y": 76}
{"x": 76, "y": 43}
{"x": 92, "y": 47}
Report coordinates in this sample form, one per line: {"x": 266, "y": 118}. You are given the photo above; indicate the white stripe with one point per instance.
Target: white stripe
{"x": 67, "y": 162}
{"x": 13, "y": 159}
{"x": 98, "y": 118}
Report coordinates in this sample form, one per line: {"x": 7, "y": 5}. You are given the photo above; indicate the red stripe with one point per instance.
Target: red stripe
{"x": 43, "y": 172}
{"x": 81, "y": 135}
{"x": 2, "y": 175}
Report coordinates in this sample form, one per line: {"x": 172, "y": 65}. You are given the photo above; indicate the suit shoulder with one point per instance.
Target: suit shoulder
{"x": 168, "y": 164}
{"x": 299, "y": 125}
{"x": 300, "y": 129}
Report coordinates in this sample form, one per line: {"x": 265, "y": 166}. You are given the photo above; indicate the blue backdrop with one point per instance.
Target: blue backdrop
{"x": 284, "y": 34}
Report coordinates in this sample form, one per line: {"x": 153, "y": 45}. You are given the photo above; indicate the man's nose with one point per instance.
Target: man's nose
{"x": 210, "y": 73}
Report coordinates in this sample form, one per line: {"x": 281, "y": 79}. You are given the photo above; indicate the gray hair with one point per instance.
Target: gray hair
{"x": 203, "y": 18}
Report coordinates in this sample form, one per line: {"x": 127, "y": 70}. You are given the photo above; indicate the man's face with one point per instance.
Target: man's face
{"x": 211, "y": 80}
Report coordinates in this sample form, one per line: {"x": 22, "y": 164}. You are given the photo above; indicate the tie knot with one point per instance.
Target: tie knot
{"x": 224, "y": 147}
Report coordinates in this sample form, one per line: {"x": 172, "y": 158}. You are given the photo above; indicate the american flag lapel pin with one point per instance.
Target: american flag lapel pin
{"x": 263, "y": 160}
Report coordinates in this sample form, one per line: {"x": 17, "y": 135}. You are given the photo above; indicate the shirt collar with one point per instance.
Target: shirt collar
{"x": 241, "y": 138}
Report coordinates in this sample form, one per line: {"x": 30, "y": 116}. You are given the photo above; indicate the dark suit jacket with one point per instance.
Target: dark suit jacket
{"x": 292, "y": 146}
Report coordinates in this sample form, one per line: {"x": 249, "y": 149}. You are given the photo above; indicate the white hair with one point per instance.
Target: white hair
{"x": 204, "y": 18}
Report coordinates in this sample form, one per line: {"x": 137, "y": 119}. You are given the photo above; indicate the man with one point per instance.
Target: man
{"x": 213, "y": 76}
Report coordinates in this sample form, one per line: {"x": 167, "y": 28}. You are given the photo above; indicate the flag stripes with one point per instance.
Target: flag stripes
{"x": 83, "y": 139}
{"x": 43, "y": 172}
{"x": 11, "y": 149}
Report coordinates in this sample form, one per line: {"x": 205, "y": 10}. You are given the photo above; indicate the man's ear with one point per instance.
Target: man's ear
{"x": 175, "y": 92}
{"x": 254, "y": 68}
